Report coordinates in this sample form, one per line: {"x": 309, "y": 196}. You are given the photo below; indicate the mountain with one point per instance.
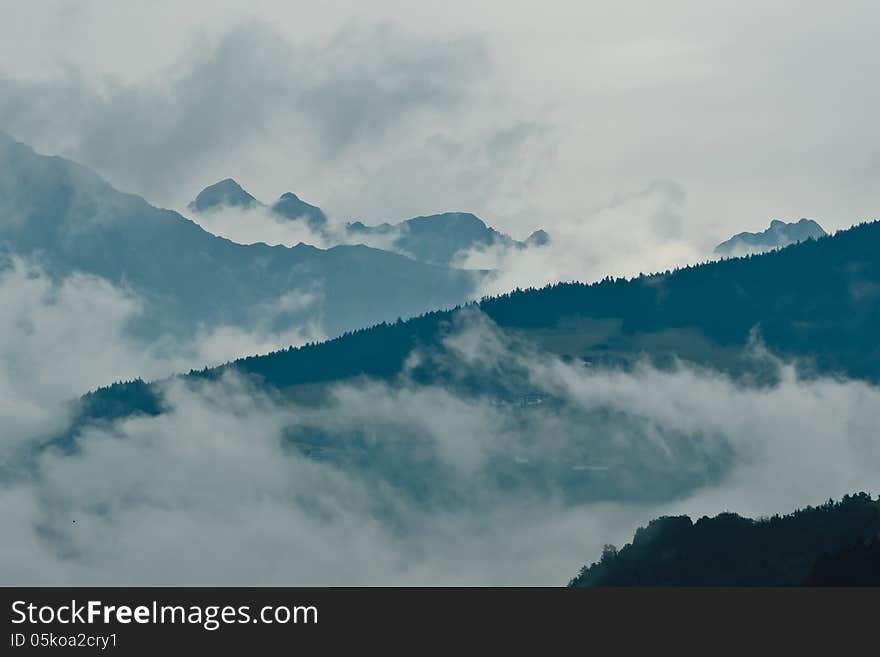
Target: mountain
{"x": 435, "y": 239}
{"x": 290, "y": 206}
{"x": 817, "y": 301}
{"x": 224, "y": 194}
{"x": 229, "y": 194}
{"x": 439, "y": 238}
{"x": 70, "y": 219}
{"x": 777, "y": 236}
{"x": 729, "y": 550}
{"x": 538, "y": 238}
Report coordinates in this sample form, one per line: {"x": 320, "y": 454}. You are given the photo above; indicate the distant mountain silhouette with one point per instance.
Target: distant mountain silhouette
{"x": 229, "y": 194}
{"x": 729, "y": 550}
{"x": 778, "y": 235}
{"x": 817, "y": 301}
{"x": 438, "y": 238}
{"x": 224, "y": 194}
{"x": 72, "y": 220}
{"x": 435, "y": 239}
{"x": 538, "y": 238}
{"x": 290, "y": 206}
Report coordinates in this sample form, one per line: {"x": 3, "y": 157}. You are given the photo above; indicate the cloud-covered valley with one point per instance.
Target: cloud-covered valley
{"x": 406, "y": 483}
{"x": 60, "y": 337}
{"x": 498, "y": 454}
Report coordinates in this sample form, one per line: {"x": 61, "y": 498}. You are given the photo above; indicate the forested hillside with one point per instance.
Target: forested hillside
{"x": 729, "y": 550}
{"x": 817, "y": 301}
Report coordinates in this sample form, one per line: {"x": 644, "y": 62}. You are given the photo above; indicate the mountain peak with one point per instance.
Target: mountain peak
{"x": 441, "y": 238}
{"x": 226, "y": 193}
{"x": 538, "y": 238}
{"x": 779, "y": 235}
{"x": 290, "y": 206}
{"x": 447, "y": 221}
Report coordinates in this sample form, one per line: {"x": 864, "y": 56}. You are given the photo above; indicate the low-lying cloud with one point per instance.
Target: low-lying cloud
{"x": 60, "y": 338}
{"x": 635, "y": 233}
{"x": 400, "y": 483}
{"x": 261, "y": 224}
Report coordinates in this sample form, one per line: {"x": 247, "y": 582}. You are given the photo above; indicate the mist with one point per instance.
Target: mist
{"x": 637, "y": 138}
{"x": 61, "y": 337}
{"x": 636, "y": 233}
{"x": 526, "y": 119}
{"x": 401, "y": 483}
{"x": 260, "y": 224}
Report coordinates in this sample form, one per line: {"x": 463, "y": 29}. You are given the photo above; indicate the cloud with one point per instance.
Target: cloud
{"x": 397, "y": 111}
{"x": 260, "y": 224}
{"x": 60, "y": 338}
{"x": 249, "y": 226}
{"x": 527, "y": 119}
{"x": 374, "y": 120}
{"x": 56, "y": 340}
{"x": 400, "y": 483}
{"x": 252, "y": 89}
{"x": 635, "y": 233}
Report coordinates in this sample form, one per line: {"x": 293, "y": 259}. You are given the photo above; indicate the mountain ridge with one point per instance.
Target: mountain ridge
{"x": 73, "y": 220}
{"x": 814, "y": 302}
{"x": 292, "y": 207}
{"x": 778, "y": 235}
{"x": 434, "y": 239}
{"x": 225, "y": 193}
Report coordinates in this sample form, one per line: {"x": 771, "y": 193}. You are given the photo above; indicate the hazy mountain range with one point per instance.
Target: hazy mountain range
{"x": 629, "y": 392}
{"x": 440, "y": 238}
{"x": 816, "y": 301}
{"x": 780, "y": 234}
{"x": 553, "y": 398}
{"x": 434, "y": 239}
{"x": 69, "y": 219}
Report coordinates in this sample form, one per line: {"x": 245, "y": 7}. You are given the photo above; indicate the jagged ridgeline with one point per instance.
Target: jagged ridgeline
{"x": 437, "y": 239}
{"x": 440, "y": 238}
{"x": 780, "y": 234}
{"x": 817, "y": 301}
{"x": 833, "y": 544}
{"x": 68, "y": 219}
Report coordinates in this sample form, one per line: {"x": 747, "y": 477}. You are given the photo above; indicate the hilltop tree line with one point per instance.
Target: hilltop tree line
{"x": 837, "y": 543}
{"x": 818, "y": 301}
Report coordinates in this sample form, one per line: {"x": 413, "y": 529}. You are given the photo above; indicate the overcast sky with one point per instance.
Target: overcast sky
{"x": 528, "y": 114}
{"x": 639, "y": 134}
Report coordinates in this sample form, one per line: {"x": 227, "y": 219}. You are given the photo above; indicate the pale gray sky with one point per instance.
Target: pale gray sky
{"x": 528, "y": 113}
{"x": 638, "y": 133}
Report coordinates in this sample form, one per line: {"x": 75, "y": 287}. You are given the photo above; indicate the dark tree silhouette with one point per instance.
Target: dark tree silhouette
{"x": 729, "y": 550}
